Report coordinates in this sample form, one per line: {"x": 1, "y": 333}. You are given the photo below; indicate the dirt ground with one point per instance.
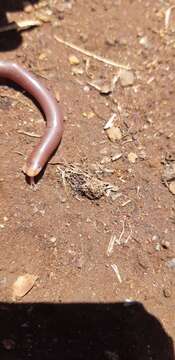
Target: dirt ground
{"x": 91, "y": 300}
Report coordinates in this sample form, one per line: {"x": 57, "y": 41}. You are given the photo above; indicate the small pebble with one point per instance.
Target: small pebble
{"x": 132, "y": 157}
{"x": 126, "y": 77}
{"x": 165, "y": 244}
{"x": 111, "y": 39}
{"x": 171, "y": 263}
{"x": 157, "y": 247}
{"x": 145, "y": 42}
{"x": 86, "y": 88}
{"x": 8, "y": 344}
{"x": 53, "y": 239}
{"x": 167, "y": 292}
{"x": 28, "y": 8}
{"x": 77, "y": 70}
{"x": 74, "y": 60}
{"x": 83, "y": 37}
{"x": 105, "y": 160}
{"x": 114, "y": 133}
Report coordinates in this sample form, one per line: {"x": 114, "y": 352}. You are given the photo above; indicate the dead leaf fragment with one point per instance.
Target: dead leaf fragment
{"x": 74, "y": 60}
{"x": 132, "y": 157}
{"x": 126, "y": 77}
{"x": 114, "y": 133}
{"x": 23, "y": 285}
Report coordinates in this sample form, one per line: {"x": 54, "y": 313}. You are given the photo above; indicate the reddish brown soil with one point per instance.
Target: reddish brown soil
{"x": 62, "y": 238}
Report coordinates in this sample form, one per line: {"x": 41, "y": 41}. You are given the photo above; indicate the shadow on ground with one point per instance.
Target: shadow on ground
{"x": 10, "y": 40}
{"x": 118, "y": 331}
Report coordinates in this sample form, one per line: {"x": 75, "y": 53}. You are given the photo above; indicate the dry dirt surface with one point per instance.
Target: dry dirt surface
{"x": 87, "y": 257}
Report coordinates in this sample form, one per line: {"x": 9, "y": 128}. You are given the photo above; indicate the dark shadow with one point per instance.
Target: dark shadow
{"x": 10, "y": 40}
{"x": 118, "y": 331}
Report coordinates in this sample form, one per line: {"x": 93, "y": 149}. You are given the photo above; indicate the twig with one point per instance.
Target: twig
{"x": 28, "y": 134}
{"x": 91, "y": 54}
{"x": 111, "y": 245}
{"x": 116, "y": 270}
{"x": 110, "y": 122}
{"x": 19, "y": 153}
{"x": 168, "y": 16}
{"x": 118, "y": 241}
{"x": 126, "y": 203}
{"x": 126, "y": 241}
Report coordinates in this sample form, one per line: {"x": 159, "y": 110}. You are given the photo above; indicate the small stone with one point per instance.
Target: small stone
{"x": 60, "y": 8}
{"x": 105, "y": 160}
{"x": 145, "y": 42}
{"x": 155, "y": 237}
{"x": 132, "y": 157}
{"x": 8, "y": 344}
{"x": 142, "y": 155}
{"x": 103, "y": 151}
{"x": 114, "y": 133}
{"x": 104, "y": 86}
{"x": 165, "y": 244}
{"x": 169, "y": 172}
{"x": 89, "y": 115}
{"x": 74, "y": 60}
{"x": 86, "y": 88}
{"x": 167, "y": 292}
{"x": 53, "y": 239}
{"x": 172, "y": 187}
{"x": 143, "y": 261}
{"x": 157, "y": 247}
{"x": 83, "y": 37}
{"x": 126, "y": 77}
{"x": 77, "y": 70}
{"x": 171, "y": 263}
{"x": 28, "y": 8}
{"x": 111, "y": 39}
{"x": 23, "y": 285}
